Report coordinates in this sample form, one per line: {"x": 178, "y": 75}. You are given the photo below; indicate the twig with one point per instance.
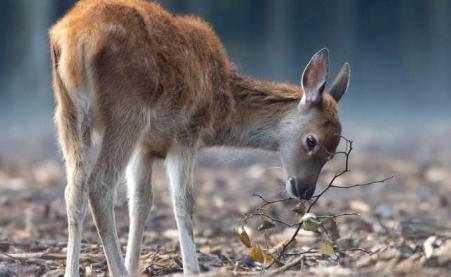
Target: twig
{"x": 52, "y": 256}
{"x": 271, "y": 218}
{"x": 290, "y": 241}
{"x": 337, "y": 215}
{"x": 267, "y": 202}
{"x": 6, "y": 256}
{"x": 357, "y": 249}
{"x": 293, "y": 263}
{"x": 344, "y": 171}
{"x": 364, "y": 184}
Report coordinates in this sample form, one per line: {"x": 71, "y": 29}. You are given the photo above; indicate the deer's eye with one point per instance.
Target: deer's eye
{"x": 311, "y": 142}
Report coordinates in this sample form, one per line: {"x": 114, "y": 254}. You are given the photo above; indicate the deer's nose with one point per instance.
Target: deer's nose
{"x": 300, "y": 189}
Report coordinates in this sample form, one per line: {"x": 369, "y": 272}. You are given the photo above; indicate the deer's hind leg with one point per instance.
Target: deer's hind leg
{"x": 118, "y": 142}
{"x": 139, "y": 178}
{"x": 73, "y": 133}
{"x": 179, "y": 167}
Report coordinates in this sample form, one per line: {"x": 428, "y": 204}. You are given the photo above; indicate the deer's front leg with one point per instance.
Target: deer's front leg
{"x": 179, "y": 166}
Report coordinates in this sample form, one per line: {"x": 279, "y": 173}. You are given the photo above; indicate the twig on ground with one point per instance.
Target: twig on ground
{"x": 356, "y": 249}
{"x": 296, "y": 261}
{"x": 51, "y": 256}
{"x": 6, "y": 256}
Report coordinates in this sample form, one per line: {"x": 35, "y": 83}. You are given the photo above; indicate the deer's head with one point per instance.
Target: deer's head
{"x": 310, "y": 135}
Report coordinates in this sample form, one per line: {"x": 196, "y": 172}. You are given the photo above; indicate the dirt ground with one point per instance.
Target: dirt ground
{"x": 404, "y": 227}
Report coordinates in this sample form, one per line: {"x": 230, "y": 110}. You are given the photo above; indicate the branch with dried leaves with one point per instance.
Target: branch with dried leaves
{"x": 308, "y": 221}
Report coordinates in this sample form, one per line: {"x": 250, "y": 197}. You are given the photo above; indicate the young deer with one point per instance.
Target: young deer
{"x": 134, "y": 83}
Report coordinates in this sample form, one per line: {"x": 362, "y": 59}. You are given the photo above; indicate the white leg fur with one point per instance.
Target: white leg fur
{"x": 75, "y": 151}
{"x": 76, "y": 202}
{"x": 179, "y": 166}
{"x": 139, "y": 177}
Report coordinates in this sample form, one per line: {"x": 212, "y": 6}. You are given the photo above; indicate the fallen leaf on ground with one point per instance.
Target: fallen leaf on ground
{"x": 244, "y": 238}
{"x": 256, "y": 254}
{"x": 265, "y": 225}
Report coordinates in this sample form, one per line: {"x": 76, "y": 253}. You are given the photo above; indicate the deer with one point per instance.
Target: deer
{"x": 134, "y": 84}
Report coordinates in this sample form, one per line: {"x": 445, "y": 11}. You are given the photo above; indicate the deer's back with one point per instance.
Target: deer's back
{"x": 139, "y": 58}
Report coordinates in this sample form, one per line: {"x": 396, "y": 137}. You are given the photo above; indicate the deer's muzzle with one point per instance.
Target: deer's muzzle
{"x": 299, "y": 189}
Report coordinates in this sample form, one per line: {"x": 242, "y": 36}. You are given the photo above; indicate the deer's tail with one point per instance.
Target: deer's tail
{"x": 72, "y": 115}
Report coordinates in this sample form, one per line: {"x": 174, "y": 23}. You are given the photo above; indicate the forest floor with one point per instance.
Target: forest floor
{"x": 403, "y": 226}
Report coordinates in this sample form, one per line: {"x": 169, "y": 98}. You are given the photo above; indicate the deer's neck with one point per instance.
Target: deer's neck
{"x": 260, "y": 107}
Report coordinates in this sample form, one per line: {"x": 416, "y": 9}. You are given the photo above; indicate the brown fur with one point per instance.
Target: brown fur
{"x": 141, "y": 58}
{"x": 156, "y": 85}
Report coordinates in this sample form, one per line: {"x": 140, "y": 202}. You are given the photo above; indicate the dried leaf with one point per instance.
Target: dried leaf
{"x": 326, "y": 248}
{"x": 244, "y": 237}
{"x": 265, "y": 225}
{"x": 331, "y": 226}
{"x": 310, "y": 222}
{"x": 256, "y": 254}
{"x": 300, "y": 208}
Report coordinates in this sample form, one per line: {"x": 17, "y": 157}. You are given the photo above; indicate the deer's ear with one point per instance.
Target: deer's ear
{"x": 341, "y": 83}
{"x": 314, "y": 78}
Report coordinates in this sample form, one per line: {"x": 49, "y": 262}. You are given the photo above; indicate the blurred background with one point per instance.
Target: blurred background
{"x": 397, "y": 109}
{"x": 398, "y": 50}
